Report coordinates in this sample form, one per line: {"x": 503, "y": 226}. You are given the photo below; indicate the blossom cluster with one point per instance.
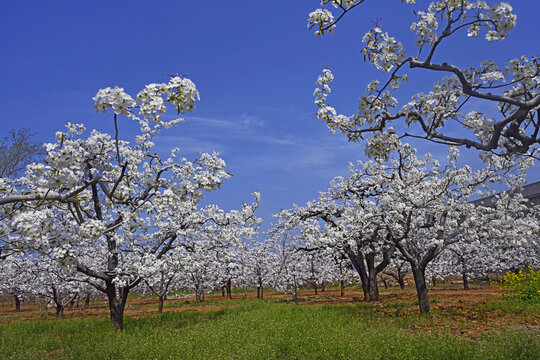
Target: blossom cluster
{"x": 514, "y": 88}
{"x": 382, "y": 50}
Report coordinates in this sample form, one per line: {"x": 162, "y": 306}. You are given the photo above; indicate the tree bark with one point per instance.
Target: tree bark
{"x": 295, "y": 290}
{"x": 17, "y": 303}
{"x": 229, "y": 290}
{"x": 365, "y": 267}
{"x": 373, "y": 288}
{"x": 87, "y": 302}
{"x": 464, "y": 274}
{"x": 421, "y": 289}
{"x": 161, "y": 301}
{"x": 342, "y": 288}
{"x": 401, "y": 281}
{"x": 358, "y": 263}
{"x": 72, "y": 302}
{"x": 260, "y": 289}
{"x": 117, "y": 304}
{"x": 59, "y": 311}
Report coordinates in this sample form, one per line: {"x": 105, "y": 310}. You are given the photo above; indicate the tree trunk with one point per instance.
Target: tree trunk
{"x": 59, "y": 311}
{"x": 117, "y": 305}
{"x": 260, "y": 288}
{"x": 71, "y": 303}
{"x": 87, "y": 302}
{"x": 17, "y": 303}
{"x": 465, "y": 281}
{"x": 385, "y": 283}
{"x": 295, "y": 291}
{"x": 316, "y": 289}
{"x": 401, "y": 281}
{"x": 373, "y": 288}
{"x": 357, "y": 259}
{"x": 161, "y": 300}
{"x": 229, "y": 289}
{"x": 421, "y": 289}
{"x": 223, "y": 291}
{"x": 342, "y": 288}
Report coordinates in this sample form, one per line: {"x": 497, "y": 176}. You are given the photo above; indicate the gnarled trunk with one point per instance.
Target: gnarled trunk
{"x": 421, "y": 289}
{"x": 365, "y": 266}
{"x": 59, "y": 311}
{"x": 357, "y": 259}
{"x": 373, "y": 288}
{"x": 117, "y": 304}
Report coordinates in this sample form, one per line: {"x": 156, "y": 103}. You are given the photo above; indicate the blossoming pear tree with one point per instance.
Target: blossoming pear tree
{"x": 416, "y": 206}
{"x": 456, "y": 99}
{"x": 101, "y": 204}
{"x": 54, "y": 282}
{"x": 501, "y": 243}
{"x": 259, "y": 260}
{"x": 398, "y": 270}
{"x": 426, "y": 207}
{"x": 350, "y": 227}
{"x": 15, "y": 279}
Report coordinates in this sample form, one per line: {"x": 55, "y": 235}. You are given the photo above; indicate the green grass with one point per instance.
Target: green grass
{"x": 511, "y": 305}
{"x": 257, "y": 330}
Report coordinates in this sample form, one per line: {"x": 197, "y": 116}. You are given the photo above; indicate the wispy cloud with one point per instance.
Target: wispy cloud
{"x": 189, "y": 145}
{"x": 246, "y": 143}
{"x": 250, "y": 120}
{"x": 317, "y": 158}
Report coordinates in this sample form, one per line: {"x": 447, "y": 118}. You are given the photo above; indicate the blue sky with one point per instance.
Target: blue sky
{"x": 254, "y": 63}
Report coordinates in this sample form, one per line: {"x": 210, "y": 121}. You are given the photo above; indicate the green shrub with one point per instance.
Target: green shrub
{"x": 524, "y": 285}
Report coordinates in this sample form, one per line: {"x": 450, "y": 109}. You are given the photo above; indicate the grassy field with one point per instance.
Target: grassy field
{"x": 480, "y": 325}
